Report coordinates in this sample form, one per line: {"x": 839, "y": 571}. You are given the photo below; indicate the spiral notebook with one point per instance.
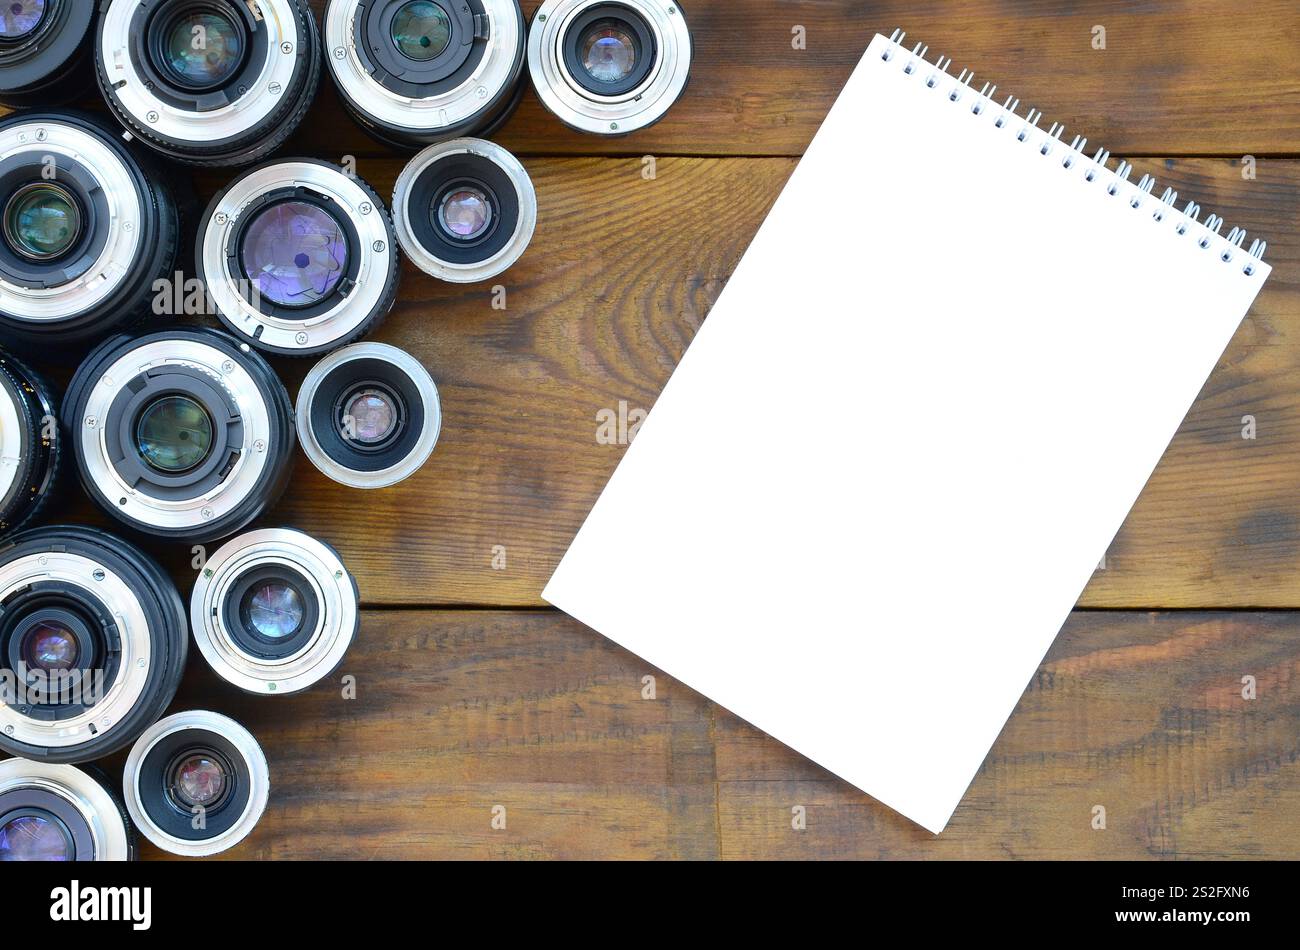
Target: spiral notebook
{"x": 902, "y": 441}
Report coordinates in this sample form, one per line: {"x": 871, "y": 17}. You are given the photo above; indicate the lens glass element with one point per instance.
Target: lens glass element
{"x": 198, "y": 779}
{"x": 369, "y": 416}
{"x": 296, "y": 251}
{"x": 50, "y": 647}
{"x": 608, "y": 51}
{"x": 274, "y": 609}
{"x": 465, "y": 213}
{"x": 203, "y": 49}
{"x": 34, "y": 838}
{"x": 20, "y": 17}
{"x": 42, "y": 221}
{"x": 421, "y": 30}
{"x": 174, "y": 434}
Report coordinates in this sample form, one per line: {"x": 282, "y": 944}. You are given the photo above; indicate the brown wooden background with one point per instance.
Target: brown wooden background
{"x": 473, "y": 694}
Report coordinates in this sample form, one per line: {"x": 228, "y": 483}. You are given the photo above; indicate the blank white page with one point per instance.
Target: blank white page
{"x": 902, "y": 441}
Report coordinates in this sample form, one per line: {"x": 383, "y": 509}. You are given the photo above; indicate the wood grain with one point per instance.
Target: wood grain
{"x": 458, "y": 711}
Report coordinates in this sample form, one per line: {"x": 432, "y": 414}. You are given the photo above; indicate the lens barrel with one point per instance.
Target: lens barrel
{"x": 29, "y": 444}
{"x": 92, "y": 643}
{"x": 196, "y": 783}
{"x": 298, "y": 257}
{"x": 52, "y": 812}
{"x": 183, "y": 434}
{"x": 415, "y": 72}
{"x": 209, "y": 82}
{"x": 86, "y": 228}
{"x": 45, "y": 57}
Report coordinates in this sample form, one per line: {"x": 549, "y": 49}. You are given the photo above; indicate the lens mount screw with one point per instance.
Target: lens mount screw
{"x": 41, "y": 135}
{"x": 300, "y": 337}
{"x": 339, "y": 52}
{"x": 366, "y": 208}
{"x": 270, "y": 687}
{"x": 9, "y": 730}
{"x": 379, "y": 246}
{"x": 260, "y": 445}
{"x": 613, "y": 126}
{"x": 274, "y": 89}
{"x": 286, "y": 47}
{"x": 152, "y": 117}
{"x": 98, "y": 574}
{"x": 207, "y": 512}
{"x": 228, "y": 366}
{"x": 221, "y": 217}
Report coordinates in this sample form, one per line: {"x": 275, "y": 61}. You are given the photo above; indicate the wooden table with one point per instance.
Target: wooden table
{"x": 474, "y": 695}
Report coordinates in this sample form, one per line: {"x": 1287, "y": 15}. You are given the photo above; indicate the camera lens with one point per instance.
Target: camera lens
{"x": 181, "y": 434}
{"x": 86, "y": 229}
{"x": 416, "y": 72}
{"x": 464, "y": 210}
{"x": 196, "y": 783}
{"x": 29, "y": 445}
{"x": 274, "y": 611}
{"x": 92, "y": 643}
{"x": 368, "y": 415}
{"x": 44, "y": 51}
{"x": 210, "y": 82}
{"x": 298, "y": 257}
{"x": 54, "y": 812}
{"x": 609, "y": 67}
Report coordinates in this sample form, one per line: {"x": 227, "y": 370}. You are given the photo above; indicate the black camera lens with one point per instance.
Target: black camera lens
{"x": 368, "y": 415}
{"x": 196, "y": 783}
{"x": 210, "y": 82}
{"x": 92, "y": 643}
{"x": 29, "y": 444}
{"x": 274, "y": 611}
{"x": 44, "y": 51}
{"x": 298, "y": 257}
{"x": 52, "y": 812}
{"x": 609, "y": 67}
{"x": 86, "y": 228}
{"x": 183, "y": 434}
{"x": 415, "y": 72}
{"x": 465, "y": 210}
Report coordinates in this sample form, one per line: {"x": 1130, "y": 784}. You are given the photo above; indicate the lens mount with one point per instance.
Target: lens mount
{"x": 126, "y": 620}
{"x": 44, "y": 55}
{"x": 126, "y": 239}
{"x": 234, "y": 105}
{"x": 245, "y": 460}
{"x": 361, "y": 251}
{"x": 155, "y": 795}
{"x": 74, "y": 810}
{"x": 299, "y": 639}
{"x": 472, "y": 165}
{"x": 469, "y": 87}
{"x": 653, "y": 39}
{"x": 29, "y": 444}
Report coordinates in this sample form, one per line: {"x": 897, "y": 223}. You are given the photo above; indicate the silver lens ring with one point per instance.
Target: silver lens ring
{"x": 336, "y": 454}
{"x": 586, "y": 110}
{"x": 98, "y": 814}
{"x": 476, "y": 102}
{"x": 362, "y": 297}
{"x": 143, "y": 783}
{"x": 324, "y": 598}
{"x": 117, "y": 260}
{"x": 412, "y": 212}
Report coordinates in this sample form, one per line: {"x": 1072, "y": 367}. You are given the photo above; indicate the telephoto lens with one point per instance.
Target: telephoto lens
{"x": 298, "y": 257}
{"x": 415, "y": 72}
{"x": 44, "y": 51}
{"x": 52, "y": 812}
{"x": 209, "y": 82}
{"x": 274, "y": 611}
{"x": 183, "y": 434}
{"x": 368, "y": 415}
{"x": 196, "y": 783}
{"x": 609, "y": 67}
{"x": 29, "y": 444}
{"x": 92, "y": 643}
{"x": 86, "y": 228}
{"x": 464, "y": 210}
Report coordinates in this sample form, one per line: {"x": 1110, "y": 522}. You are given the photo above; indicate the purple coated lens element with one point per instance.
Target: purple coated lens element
{"x": 33, "y": 838}
{"x": 20, "y": 17}
{"x": 465, "y": 213}
{"x": 296, "y": 251}
{"x": 50, "y": 647}
{"x": 200, "y": 780}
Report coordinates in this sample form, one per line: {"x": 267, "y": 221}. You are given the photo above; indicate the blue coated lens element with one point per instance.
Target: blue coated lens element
{"x": 33, "y": 837}
{"x": 174, "y": 434}
{"x": 203, "y": 49}
{"x": 20, "y": 17}
{"x": 275, "y": 610}
{"x": 49, "y": 647}
{"x": 608, "y": 53}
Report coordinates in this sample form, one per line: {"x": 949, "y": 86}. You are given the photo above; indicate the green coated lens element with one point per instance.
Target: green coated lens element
{"x": 42, "y": 221}
{"x": 174, "y": 434}
{"x": 421, "y": 30}
{"x": 203, "y": 49}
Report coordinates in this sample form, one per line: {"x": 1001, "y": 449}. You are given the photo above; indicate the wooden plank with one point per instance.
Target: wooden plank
{"x": 458, "y": 711}
{"x": 1176, "y": 77}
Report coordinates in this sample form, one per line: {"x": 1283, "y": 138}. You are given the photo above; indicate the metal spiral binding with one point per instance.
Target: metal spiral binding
{"x": 1208, "y": 232}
